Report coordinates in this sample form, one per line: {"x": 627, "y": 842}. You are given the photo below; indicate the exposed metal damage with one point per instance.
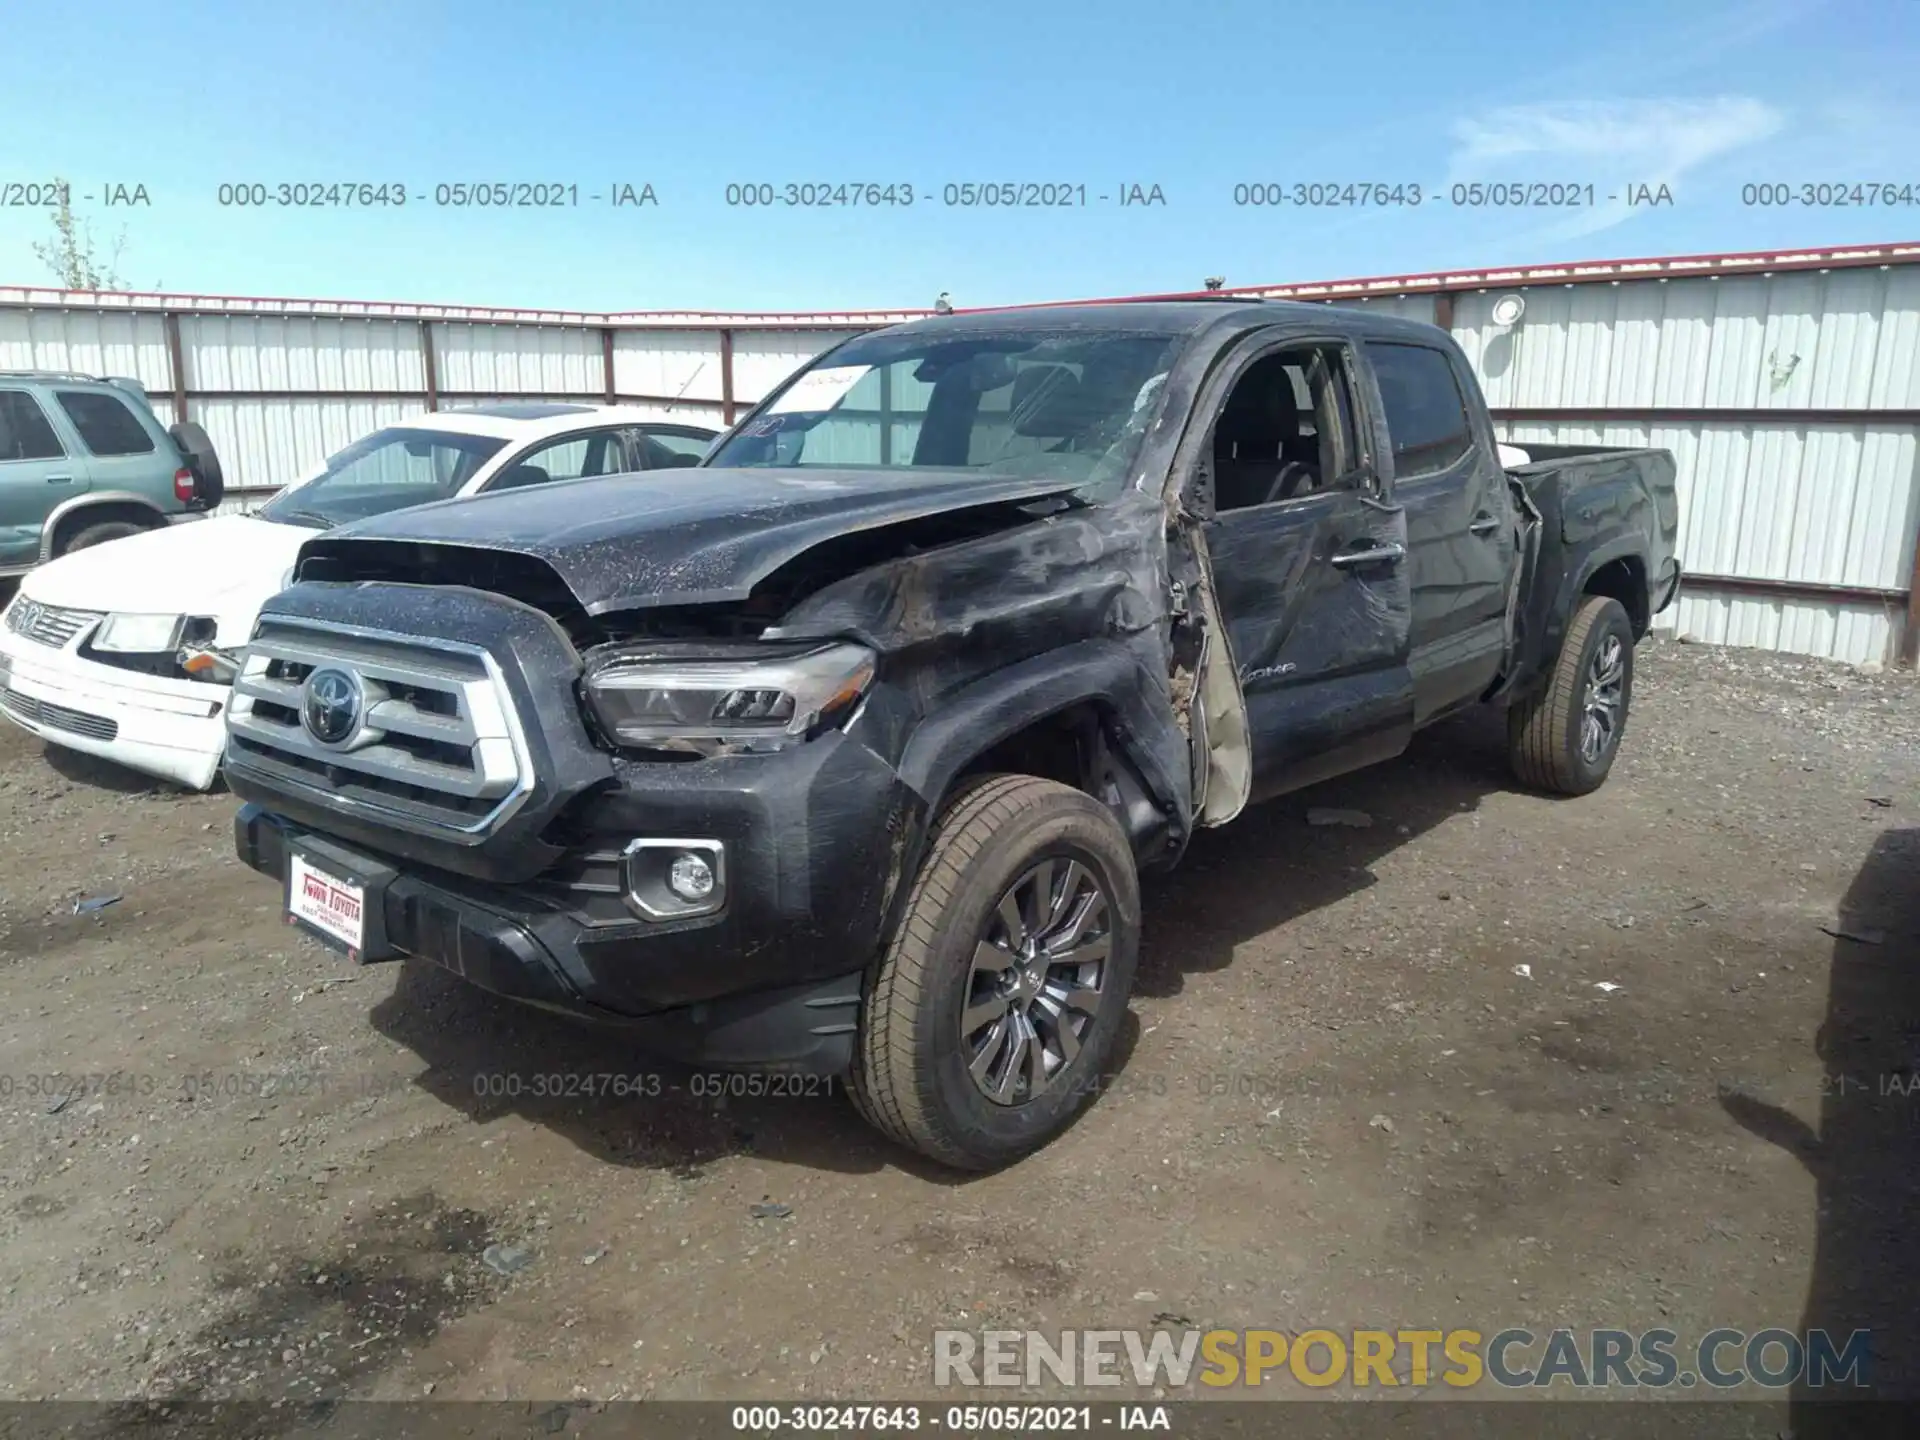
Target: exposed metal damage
{"x": 948, "y": 584}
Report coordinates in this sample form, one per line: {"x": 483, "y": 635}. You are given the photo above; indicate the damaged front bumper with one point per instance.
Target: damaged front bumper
{"x": 811, "y": 846}
{"x": 160, "y": 726}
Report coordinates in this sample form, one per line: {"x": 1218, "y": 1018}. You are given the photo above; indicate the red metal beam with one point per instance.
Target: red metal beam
{"x": 1797, "y": 589}
{"x": 1682, "y": 414}
{"x": 1910, "y": 637}
{"x": 1572, "y": 272}
{"x": 176, "y": 367}
{"x": 578, "y": 397}
{"x": 430, "y": 366}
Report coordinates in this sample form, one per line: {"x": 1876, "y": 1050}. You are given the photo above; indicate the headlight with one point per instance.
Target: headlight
{"x": 710, "y": 698}
{"x": 138, "y": 634}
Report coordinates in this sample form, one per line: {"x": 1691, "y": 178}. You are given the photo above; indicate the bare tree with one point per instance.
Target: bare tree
{"x": 73, "y": 254}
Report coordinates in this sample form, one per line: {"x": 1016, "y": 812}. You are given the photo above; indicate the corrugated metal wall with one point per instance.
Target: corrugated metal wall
{"x": 278, "y": 393}
{"x": 1775, "y": 486}
{"x": 1817, "y": 503}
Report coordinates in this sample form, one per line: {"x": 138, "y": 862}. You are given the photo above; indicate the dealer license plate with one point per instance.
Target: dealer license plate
{"x": 334, "y": 907}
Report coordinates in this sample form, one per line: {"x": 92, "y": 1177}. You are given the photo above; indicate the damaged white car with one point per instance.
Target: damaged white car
{"x": 126, "y": 650}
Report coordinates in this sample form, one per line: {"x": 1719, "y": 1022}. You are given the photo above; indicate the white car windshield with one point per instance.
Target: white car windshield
{"x": 387, "y": 470}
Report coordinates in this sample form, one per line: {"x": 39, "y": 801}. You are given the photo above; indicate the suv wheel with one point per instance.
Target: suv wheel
{"x": 991, "y": 1013}
{"x": 100, "y": 534}
{"x": 1564, "y": 737}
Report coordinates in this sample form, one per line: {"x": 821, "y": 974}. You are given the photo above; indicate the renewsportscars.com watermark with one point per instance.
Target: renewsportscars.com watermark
{"x": 1318, "y": 1359}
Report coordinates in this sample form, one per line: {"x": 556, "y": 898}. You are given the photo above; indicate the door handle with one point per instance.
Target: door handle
{"x": 1390, "y": 554}
{"x": 1484, "y": 524}
{"x": 59, "y": 479}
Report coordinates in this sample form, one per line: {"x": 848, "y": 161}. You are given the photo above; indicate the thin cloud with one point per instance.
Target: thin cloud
{"x": 1610, "y": 144}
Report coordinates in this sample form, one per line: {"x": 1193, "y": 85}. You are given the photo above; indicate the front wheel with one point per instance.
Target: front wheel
{"x": 990, "y": 1015}
{"x": 1564, "y": 737}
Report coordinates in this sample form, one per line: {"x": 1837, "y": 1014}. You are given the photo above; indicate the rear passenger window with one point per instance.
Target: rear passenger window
{"x": 105, "y": 423}
{"x": 24, "y": 431}
{"x": 1426, "y": 416}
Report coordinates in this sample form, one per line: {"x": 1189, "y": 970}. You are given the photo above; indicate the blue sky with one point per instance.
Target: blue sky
{"x": 1191, "y": 96}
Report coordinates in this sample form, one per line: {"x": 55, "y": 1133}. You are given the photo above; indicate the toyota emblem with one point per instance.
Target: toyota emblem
{"x": 331, "y": 705}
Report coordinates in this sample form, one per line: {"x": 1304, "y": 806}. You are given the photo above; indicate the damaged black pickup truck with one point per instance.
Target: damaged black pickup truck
{"x": 840, "y": 754}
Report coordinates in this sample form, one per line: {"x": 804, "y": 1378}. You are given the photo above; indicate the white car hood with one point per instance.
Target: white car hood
{"x": 226, "y": 566}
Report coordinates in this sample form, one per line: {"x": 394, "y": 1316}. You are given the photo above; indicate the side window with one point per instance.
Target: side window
{"x": 1426, "y": 418}
{"x": 569, "y": 458}
{"x": 664, "y": 450}
{"x": 1286, "y": 430}
{"x": 105, "y": 423}
{"x": 25, "y": 433}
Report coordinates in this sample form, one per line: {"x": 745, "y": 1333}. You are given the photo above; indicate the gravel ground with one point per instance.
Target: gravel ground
{"x": 1372, "y": 1078}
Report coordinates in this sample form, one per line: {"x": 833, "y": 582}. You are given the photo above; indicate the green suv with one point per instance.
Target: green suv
{"x": 84, "y": 460}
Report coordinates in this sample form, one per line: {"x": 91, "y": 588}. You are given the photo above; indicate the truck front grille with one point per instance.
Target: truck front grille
{"x": 422, "y": 732}
{"x": 52, "y": 625}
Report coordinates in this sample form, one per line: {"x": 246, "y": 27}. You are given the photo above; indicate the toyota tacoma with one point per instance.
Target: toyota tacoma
{"x": 841, "y": 753}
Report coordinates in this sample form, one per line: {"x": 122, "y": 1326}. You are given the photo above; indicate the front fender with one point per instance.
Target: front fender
{"x": 1105, "y": 673}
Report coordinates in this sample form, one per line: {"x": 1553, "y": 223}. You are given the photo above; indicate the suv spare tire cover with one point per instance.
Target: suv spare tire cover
{"x": 209, "y": 485}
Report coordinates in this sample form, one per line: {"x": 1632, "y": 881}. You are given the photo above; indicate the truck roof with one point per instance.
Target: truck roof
{"x": 1228, "y": 313}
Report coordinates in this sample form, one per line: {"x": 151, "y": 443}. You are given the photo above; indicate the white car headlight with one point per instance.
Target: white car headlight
{"x": 138, "y": 634}
{"x": 715, "y": 697}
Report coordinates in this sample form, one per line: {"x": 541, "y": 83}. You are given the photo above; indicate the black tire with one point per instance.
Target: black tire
{"x": 1549, "y": 743}
{"x": 100, "y": 534}
{"x": 209, "y": 482}
{"x": 911, "y": 1076}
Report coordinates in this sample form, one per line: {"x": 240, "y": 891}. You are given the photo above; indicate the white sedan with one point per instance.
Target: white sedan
{"x": 126, "y": 650}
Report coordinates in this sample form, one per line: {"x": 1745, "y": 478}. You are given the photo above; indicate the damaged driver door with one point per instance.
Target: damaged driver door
{"x": 1309, "y": 568}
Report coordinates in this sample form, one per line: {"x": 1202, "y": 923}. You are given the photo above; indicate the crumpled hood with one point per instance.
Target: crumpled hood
{"x": 225, "y": 566}
{"x": 681, "y": 537}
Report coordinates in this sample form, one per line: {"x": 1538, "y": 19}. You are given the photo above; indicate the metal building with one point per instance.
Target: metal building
{"x": 1787, "y": 384}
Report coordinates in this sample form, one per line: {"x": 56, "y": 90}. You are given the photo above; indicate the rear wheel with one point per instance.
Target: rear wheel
{"x": 1565, "y": 736}
{"x": 100, "y": 534}
{"x": 991, "y": 1013}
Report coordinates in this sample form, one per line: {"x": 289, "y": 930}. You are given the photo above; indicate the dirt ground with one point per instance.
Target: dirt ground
{"x": 1341, "y": 1104}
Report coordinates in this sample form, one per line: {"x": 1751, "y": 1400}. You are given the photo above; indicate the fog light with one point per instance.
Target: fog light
{"x": 690, "y": 877}
{"x": 673, "y": 878}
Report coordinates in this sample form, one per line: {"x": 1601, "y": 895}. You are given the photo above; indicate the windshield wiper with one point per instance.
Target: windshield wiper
{"x": 307, "y": 517}
{"x": 1055, "y": 504}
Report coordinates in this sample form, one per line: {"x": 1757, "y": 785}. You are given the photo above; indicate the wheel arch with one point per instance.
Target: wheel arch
{"x": 1088, "y": 715}
{"x": 1623, "y": 578}
{"x": 95, "y": 508}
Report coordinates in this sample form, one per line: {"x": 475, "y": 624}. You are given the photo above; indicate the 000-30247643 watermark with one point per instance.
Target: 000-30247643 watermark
{"x": 1200, "y": 1362}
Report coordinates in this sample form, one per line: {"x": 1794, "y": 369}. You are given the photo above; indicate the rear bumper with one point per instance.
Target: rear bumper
{"x": 170, "y": 728}
{"x": 514, "y": 944}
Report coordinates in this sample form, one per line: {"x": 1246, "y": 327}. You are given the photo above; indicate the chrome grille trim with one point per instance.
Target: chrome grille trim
{"x": 52, "y": 625}
{"x": 471, "y": 711}
{"x": 57, "y": 717}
